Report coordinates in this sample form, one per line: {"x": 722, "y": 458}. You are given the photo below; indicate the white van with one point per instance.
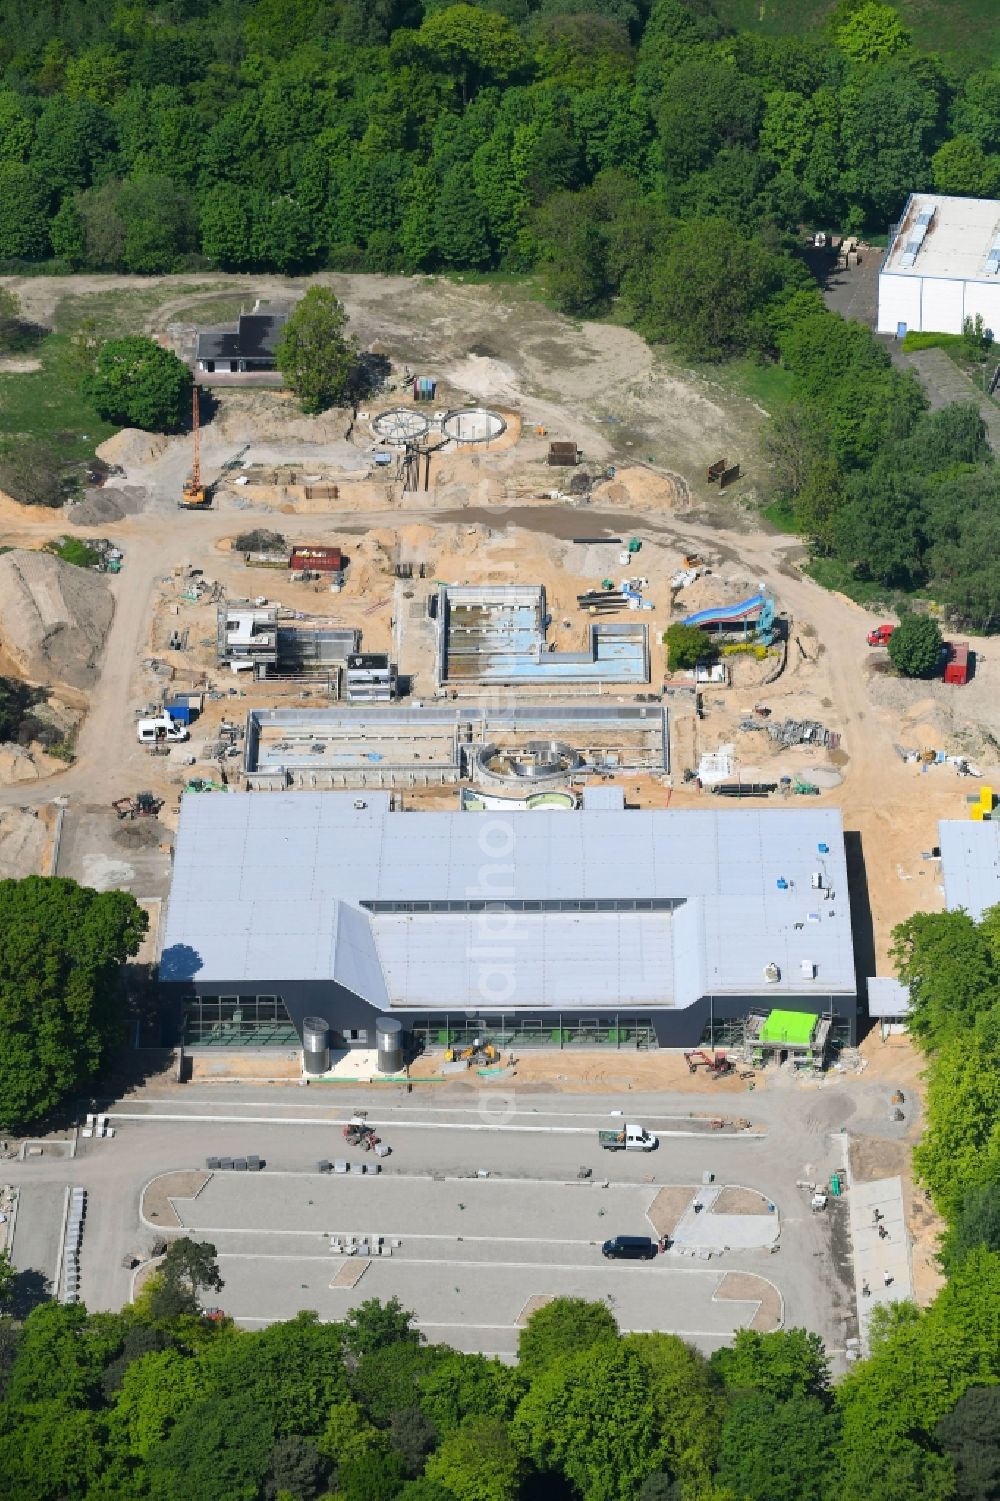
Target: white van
{"x": 161, "y": 731}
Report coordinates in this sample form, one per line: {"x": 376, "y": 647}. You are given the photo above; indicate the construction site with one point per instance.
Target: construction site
{"x": 456, "y": 592}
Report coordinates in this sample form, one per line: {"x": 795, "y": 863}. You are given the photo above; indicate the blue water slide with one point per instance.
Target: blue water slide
{"x": 747, "y": 609}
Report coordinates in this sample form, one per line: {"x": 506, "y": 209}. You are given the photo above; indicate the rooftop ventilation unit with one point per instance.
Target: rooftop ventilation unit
{"x": 917, "y": 236}
{"x": 993, "y": 258}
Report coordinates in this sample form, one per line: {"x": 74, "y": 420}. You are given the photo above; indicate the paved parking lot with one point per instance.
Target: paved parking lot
{"x": 532, "y": 1228}
{"x": 471, "y": 1253}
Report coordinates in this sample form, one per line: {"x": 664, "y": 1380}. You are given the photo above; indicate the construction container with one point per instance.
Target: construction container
{"x": 957, "y": 666}
{"x": 315, "y": 1045}
{"x": 986, "y": 798}
{"x": 317, "y": 559}
{"x": 563, "y": 455}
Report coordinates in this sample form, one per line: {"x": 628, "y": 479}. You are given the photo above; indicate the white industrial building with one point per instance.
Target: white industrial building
{"x": 942, "y": 266}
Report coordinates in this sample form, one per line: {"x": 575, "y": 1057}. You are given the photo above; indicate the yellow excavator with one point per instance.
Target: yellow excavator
{"x": 195, "y": 496}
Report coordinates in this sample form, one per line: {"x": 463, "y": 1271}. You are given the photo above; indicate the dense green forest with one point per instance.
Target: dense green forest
{"x": 645, "y": 157}
{"x": 166, "y": 1405}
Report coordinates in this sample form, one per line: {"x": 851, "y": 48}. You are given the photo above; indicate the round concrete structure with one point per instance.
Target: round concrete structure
{"x": 472, "y": 425}
{"x": 399, "y": 426}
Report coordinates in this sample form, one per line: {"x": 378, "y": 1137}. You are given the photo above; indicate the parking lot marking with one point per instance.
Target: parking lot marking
{"x": 526, "y": 1266}
{"x": 326, "y": 1123}
{"x": 586, "y": 1115}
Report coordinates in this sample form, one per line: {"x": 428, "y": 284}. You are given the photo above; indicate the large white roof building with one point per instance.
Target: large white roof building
{"x": 942, "y": 266}
{"x": 350, "y": 910}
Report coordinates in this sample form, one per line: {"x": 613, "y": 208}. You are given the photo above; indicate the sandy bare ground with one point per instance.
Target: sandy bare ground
{"x": 745, "y": 1287}
{"x": 157, "y": 1196}
{"x": 669, "y": 1205}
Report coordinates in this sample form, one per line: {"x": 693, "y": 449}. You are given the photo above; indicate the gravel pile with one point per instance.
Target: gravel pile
{"x": 110, "y": 504}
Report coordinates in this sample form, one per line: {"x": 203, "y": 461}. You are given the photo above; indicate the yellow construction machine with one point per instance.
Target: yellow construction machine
{"x": 195, "y": 496}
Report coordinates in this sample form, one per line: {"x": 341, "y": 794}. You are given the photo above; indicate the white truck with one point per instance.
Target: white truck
{"x": 163, "y": 730}
{"x": 628, "y": 1139}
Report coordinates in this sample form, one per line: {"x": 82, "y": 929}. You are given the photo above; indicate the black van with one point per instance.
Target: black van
{"x": 629, "y": 1248}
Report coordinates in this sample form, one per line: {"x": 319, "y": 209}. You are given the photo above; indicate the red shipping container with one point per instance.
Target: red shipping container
{"x": 957, "y": 666}
{"x": 317, "y": 559}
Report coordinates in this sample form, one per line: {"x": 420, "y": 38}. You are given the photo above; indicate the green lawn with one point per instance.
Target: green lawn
{"x": 770, "y": 386}
{"x": 124, "y": 311}
{"x": 44, "y": 407}
{"x": 965, "y": 29}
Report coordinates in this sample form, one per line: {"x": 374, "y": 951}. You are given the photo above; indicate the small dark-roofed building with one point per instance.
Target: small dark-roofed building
{"x": 246, "y": 349}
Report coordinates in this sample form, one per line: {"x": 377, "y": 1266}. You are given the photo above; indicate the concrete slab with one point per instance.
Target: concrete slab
{"x": 701, "y": 1227}
{"x": 41, "y": 1211}
{"x": 881, "y": 1263}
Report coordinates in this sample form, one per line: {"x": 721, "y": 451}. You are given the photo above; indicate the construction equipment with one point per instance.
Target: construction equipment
{"x": 358, "y": 1133}
{"x": 143, "y": 805}
{"x": 805, "y": 789}
{"x": 195, "y": 496}
{"x": 484, "y": 1050}
{"x": 717, "y": 1064}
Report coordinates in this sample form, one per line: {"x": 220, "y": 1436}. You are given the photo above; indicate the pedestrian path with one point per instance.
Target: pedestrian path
{"x": 881, "y": 1261}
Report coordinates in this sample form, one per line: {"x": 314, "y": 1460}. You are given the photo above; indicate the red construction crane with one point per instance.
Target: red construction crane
{"x": 193, "y": 495}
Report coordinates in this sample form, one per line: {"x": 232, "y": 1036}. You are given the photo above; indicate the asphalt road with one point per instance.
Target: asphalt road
{"x": 530, "y": 1229}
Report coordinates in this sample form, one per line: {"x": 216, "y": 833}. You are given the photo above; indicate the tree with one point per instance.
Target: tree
{"x": 970, "y": 1436}
{"x": 566, "y": 1326}
{"x": 218, "y": 1448}
{"x": 139, "y": 384}
{"x": 871, "y": 32}
{"x": 23, "y": 219}
{"x": 563, "y": 1422}
{"x": 777, "y": 1450}
{"x": 8, "y": 1277}
{"x": 953, "y": 976}
{"x": 788, "y": 1363}
{"x": 960, "y": 1147}
{"x": 915, "y": 646}
{"x": 374, "y": 1326}
{"x": 461, "y": 1386}
{"x": 707, "y": 285}
{"x": 155, "y": 1392}
{"x": 977, "y": 1223}
{"x": 375, "y": 1475}
{"x": 471, "y": 45}
{"x": 688, "y": 1405}
{"x": 297, "y": 1469}
{"x": 478, "y": 1462}
{"x": 412, "y": 1435}
{"x": 62, "y": 947}
{"x": 187, "y": 1268}
{"x": 314, "y": 355}
{"x": 962, "y": 166}
{"x": 687, "y": 645}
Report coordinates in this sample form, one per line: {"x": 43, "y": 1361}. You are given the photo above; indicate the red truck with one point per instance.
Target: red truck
{"x": 880, "y": 635}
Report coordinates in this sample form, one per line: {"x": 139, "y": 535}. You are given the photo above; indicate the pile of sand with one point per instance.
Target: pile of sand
{"x": 132, "y": 447}
{"x": 53, "y": 618}
{"x": 110, "y": 504}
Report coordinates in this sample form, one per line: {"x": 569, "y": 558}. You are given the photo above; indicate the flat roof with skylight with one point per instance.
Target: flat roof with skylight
{"x": 949, "y": 237}
{"x": 600, "y": 908}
